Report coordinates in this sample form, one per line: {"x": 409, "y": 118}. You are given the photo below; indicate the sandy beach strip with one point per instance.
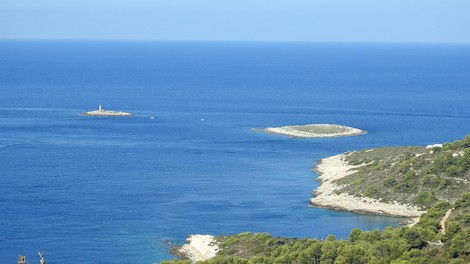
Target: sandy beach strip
{"x": 292, "y": 132}
{"x": 199, "y": 248}
{"x": 335, "y": 167}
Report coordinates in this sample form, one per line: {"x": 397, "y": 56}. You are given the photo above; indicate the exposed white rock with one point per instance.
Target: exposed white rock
{"x": 199, "y": 247}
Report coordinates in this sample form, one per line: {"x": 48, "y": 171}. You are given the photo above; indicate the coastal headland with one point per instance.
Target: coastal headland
{"x": 102, "y": 112}
{"x": 429, "y": 185}
{"x": 315, "y": 131}
{"x": 329, "y": 195}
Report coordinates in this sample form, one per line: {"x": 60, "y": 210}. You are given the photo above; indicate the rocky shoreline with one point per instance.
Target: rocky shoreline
{"x": 205, "y": 247}
{"x": 327, "y": 196}
{"x": 198, "y": 248}
{"x": 293, "y": 131}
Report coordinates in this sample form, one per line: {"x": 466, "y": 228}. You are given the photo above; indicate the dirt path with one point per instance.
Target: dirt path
{"x": 442, "y": 223}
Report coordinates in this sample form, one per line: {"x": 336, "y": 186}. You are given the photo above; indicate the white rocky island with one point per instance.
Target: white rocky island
{"x": 102, "y": 112}
{"x": 315, "y": 131}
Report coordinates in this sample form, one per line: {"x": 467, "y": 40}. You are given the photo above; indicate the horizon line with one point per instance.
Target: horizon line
{"x": 235, "y": 40}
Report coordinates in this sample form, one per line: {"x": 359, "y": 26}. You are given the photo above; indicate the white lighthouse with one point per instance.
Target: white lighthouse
{"x": 99, "y": 108}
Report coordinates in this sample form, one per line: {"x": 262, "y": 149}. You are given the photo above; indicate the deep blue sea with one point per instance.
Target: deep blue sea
{"x": 115, "y": 190}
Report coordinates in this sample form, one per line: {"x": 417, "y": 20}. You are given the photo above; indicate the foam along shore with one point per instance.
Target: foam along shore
{"x": 199, "y": 248}
{"x": 102, "y": 112}
{"x": 335, "y": 167}
{"x": 315, "y": 131}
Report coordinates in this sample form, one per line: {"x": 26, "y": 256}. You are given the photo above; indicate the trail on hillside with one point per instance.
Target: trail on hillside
{"x": 442, "y": 223}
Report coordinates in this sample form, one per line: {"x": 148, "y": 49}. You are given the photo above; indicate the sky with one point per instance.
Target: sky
{"x": 239, "y": 20}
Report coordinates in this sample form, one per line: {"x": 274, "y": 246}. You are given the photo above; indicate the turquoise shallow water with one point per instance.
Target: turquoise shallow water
{"x": 88, "y": 189}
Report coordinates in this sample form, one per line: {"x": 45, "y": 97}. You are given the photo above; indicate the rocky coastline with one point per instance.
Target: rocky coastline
{"x": 198, "y": 248}
{"x": 327, "y": 195}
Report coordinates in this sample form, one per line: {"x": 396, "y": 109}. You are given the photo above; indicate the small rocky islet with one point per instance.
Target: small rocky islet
{"x": 315, "y": 131}
{"x": 102, "y": 112}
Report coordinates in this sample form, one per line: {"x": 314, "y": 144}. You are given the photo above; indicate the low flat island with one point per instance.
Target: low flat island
{"x": 102, "y": 112}
{"x": 315, "y": 131}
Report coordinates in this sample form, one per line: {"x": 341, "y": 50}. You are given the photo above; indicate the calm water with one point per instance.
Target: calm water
{"x": 88, "y": 190}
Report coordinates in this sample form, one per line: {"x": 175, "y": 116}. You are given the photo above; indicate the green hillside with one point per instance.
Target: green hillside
{"x": 415, "y": 175}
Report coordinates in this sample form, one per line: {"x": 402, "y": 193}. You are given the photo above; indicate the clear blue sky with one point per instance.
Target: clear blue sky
{"x": 258, "y": 20}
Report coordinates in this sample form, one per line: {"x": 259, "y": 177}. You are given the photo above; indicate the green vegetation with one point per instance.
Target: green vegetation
{"x": 413, "y": 175}
{"x": 320, "y": 129}
{"x": 435, "y": 179}
{"x": 422, "y": 243}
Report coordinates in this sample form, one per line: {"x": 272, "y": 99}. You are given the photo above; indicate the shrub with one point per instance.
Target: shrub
{"x": 424, "y": 199}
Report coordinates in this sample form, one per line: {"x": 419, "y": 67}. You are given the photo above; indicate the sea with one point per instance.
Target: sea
{"x": 124, "y": 189}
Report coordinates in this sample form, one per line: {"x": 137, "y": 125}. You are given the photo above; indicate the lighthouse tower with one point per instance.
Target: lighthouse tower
{"x": 99, "y": 108}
